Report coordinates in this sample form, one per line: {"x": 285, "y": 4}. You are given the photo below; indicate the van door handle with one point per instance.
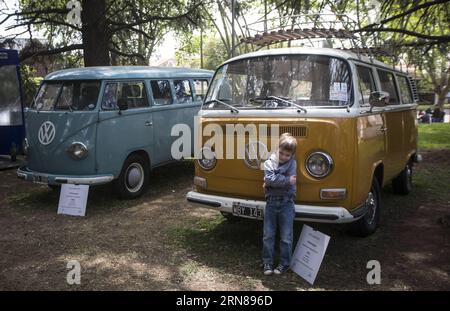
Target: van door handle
{"x": 148, "y": 123}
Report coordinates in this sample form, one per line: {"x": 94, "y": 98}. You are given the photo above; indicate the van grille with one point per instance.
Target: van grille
{"x": 294, "y": 130}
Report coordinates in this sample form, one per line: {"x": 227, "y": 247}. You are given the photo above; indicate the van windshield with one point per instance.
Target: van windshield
{"x": 67, "y": 95}
{"x": 281, "y": 82}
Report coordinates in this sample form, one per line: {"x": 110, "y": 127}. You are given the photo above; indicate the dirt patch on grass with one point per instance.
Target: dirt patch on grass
{"x": 440, "y": 157}
{"x": 161, "y": 242}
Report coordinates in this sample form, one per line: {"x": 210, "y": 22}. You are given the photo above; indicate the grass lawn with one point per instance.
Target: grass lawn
{"x": 434, "y": 136}
{"x": 161, "y": 242}
{"x": 424, "y": 106}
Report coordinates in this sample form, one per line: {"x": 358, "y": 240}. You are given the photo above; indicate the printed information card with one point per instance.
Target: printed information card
{"x": 73, "y": 199}
{"x": 309, "y": 253}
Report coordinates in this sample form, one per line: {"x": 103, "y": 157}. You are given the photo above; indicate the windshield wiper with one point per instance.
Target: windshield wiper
{"x": 223, "y": 103}
{"x": 271, "y": 97}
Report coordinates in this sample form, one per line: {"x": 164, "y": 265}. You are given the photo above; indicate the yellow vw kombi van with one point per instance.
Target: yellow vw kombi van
{"x": 353, "y": 118}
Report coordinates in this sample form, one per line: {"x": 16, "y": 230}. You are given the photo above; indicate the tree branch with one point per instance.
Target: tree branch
{"x": 407, "y": 12}
{"x": 68, "y": 48}
{"x": 442, "y": 39}
{"x": 43, "y": 21}
{"x": 35, "y": 14}
{"x": 149, "y": 19}
{"x": 115, "y": 51}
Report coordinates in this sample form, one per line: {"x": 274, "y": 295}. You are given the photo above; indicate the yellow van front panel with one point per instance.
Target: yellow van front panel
{"x": 335, "y": 136}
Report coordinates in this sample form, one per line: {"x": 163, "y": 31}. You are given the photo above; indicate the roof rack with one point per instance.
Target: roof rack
{"x": 281, "y": 35}
{"x": 306, "y": 27}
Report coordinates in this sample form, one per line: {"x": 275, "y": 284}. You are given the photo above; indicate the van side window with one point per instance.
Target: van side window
{"x": 133, "y": 93}
{"x": 366, "y": 84}
{"x": 405, "y": 90}
{"x": 201, "y": 86}
{"x": 388, "y": 85}
{"x": 161, "y": 92}
{"x": 183, "y": 91}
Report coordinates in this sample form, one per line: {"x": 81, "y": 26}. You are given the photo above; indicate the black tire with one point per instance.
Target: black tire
{"x": 54, "y": 187}
{"x": 402, "y": 184}
{"x": 368, "y": 224}
{"x": 229, "y": 217}
{"x": 134, "y": 177}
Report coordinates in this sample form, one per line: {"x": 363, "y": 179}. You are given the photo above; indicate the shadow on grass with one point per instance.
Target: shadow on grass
{"x": 163, "y": 180}
{"x": 234, "y": 248}
{"x": 122, "y": 248}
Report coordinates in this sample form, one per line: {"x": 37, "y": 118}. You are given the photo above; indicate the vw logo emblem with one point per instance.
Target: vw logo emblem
{"x": 255, "y": 154}
{"x": 46, "y": 133}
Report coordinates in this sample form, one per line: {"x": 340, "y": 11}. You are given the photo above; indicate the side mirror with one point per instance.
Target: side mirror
{"x": 378, "y": 99}
{"x": 122, "y": 104}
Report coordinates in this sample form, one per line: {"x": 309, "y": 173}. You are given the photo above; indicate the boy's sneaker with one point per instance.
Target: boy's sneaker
{"x": 280, "y": 269}
{"x": 268, "y": 269}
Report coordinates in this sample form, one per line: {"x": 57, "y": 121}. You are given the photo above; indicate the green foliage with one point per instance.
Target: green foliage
{"x": 57, "y": 33}
{"x": 134, "y": 28}
{"x": 214, "y": 52}
{"x": 30, "y": 83}
{"x": 149, "y": 26}
{"x": 145, "y": 37}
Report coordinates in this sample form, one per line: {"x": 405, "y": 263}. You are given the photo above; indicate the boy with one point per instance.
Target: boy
{"x": 280, "y": 187}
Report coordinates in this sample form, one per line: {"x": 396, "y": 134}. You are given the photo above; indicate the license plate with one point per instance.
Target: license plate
{"x": 240, "y": 209}
{"x": 40, "y": 179}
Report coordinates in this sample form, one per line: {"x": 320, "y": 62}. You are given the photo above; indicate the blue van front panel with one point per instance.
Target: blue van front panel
{"x": 47, "y": 154}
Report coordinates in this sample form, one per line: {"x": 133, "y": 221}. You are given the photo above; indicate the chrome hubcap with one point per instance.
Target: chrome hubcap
{"x": 134, "y": 177}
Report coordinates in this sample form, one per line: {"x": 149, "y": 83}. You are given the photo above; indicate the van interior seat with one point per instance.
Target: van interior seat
{"x": 89, "y": 96}
{"x": 131, "y": 93}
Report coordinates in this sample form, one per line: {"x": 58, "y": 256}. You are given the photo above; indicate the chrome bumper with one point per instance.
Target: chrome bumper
{"x": 42, "y": 178}
{"x": 310, "y": 213}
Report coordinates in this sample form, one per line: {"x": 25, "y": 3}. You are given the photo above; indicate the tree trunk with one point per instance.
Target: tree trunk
{"x": 95, "y": 33}
{"x": 441, "y": 96}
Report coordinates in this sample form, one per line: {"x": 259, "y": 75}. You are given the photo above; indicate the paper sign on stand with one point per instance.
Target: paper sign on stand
{"x": 309, "y": 253}
{"x": 73, "y": 199}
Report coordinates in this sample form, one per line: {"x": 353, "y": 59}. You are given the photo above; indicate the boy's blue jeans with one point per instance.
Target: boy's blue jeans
{"x": 280, "y": 211}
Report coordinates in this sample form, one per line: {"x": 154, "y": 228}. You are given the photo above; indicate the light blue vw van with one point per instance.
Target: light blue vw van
{"x": 100, "y": 124}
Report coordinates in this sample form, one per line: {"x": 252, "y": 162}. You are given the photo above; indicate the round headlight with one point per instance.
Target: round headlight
{"x": 207, "y": 159}
{"x": 319, "y": 164}
{"x": 78, "y": 151}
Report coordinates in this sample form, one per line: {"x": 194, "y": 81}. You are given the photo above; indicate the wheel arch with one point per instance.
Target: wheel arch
{"x": 141, "y": 153}
{"x": 378, "y": 173}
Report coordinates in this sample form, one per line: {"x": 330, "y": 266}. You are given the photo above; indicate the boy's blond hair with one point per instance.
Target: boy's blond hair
{"x": 288, "y": 142}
